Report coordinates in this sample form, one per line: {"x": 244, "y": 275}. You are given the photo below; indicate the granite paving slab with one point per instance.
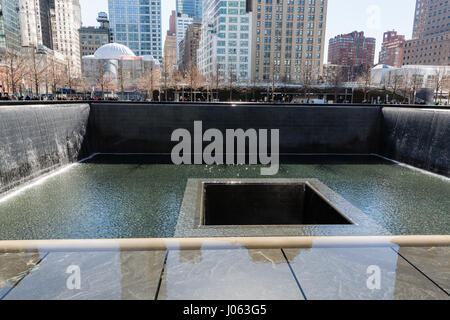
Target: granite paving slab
{"x": 434, "y": 262}
{"x": 359, "y": 274}
{"x": 103, "y": 275}
{"x": 228, "y": 274}
{"x": 14, "y": 267}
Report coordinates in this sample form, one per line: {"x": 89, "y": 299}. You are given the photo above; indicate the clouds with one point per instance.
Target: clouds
{"x": 373, "y": 17}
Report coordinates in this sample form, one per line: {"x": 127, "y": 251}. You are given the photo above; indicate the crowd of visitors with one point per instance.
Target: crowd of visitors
{"x": 10, "y": 97}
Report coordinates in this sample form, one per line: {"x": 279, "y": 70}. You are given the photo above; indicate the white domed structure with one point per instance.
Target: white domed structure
{"x": 113, "y": 51}
{"x": 115, "y": 59}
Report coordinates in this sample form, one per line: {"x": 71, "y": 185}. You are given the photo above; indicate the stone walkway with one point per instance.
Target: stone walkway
{"x": 235, "y": 274}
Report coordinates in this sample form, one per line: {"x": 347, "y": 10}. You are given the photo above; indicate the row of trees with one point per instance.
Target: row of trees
{"x": 401, "y": 86}
{"x": 33, "y": 71}
{"x": 41, "y": 73}
{"x": 407, "y": 83}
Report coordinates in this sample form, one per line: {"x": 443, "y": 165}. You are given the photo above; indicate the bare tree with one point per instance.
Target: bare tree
{"x": 124, "y": 79}
{"x": 405, "y": 89}
{"x": 37, "y": 65}
{"x": 415, "y": 82}
{"x": 395, "y": 82}
{"x": 275, "y": 77}
{"x": 216, "y": 80}
{"x": 365, "y": 82}
{"x": 150, "y": 81}
{"x": 46, "y": 80}
{"x": 439, "y": 78}
{"x": 307, "y": 77}
{"x": 194, "y": 79}
{"x": 110, "y": 83}
{"x": 176, "y": 81}
{"x": 446, "y": 86}
{"x": 208, "y": 83}
{"x": 100, "y": 77}
{"x": 336, "y": 79}
{"x": 15, "y": 65}
{"x": 68, "y": 75}
{"x": 81, "y": 85}
{"x": 104, "y": 80}
{"x": 56, "y": 75}
{"x": 231, "y": 80}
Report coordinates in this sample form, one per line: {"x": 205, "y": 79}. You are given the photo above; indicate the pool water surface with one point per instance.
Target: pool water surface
{"x": 140, "y": 197}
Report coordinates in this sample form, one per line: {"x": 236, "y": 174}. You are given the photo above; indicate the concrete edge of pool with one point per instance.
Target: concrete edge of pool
{"x": 223, "y": 243}
{"x": 190, "y": 223}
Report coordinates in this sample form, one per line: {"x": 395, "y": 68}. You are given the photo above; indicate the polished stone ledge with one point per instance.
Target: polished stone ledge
{"x": 233, "y": 274}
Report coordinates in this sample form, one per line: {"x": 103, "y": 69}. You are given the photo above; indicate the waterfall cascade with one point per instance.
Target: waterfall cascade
{"x": 37, "y": 139}
{"x": 418, "y": 137}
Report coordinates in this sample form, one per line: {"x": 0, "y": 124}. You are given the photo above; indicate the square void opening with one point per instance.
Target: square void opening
{"x": 267, "y": 204}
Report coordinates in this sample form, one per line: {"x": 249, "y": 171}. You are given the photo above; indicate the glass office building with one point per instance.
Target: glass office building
{"x": 137, "y": 25}
{"x": 192, "y": 8}
{"x": 9, "y": 25}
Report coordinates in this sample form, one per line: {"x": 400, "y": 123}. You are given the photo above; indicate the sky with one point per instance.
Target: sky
{"x": 371, "y": 16}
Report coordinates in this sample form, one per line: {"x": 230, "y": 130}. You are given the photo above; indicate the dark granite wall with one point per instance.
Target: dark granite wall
{"x": 303, "y": 129}
{"x": 37, "y": 139}
{"x": 419, "y": 137}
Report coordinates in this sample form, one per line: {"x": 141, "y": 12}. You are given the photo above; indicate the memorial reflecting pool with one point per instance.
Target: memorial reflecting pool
{"x": 138, "y": 197}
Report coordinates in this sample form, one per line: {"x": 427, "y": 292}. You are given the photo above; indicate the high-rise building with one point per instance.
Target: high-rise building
{"x": 430, "y": 44}
{"x": 66, "y": 23}
{"x": 183, "y": 22}
{"x": 92, "y": 38}
{"x": 137, "y": 24}
{"x": 193, "y": 8}
{"x": 170, "y": 55}
{"x": 181, "y": 48}
{"x": 9, "y": 25}
{"x": 35, "y": 23}
{"x": 226, "y": 45}
{"x": 392, "y": 49}
{"x": 190, "y": 44}
{"x": 188, "y": 12}
{"x": 288, "y": 40}
{"x": 172, "y": 24}
{"x": 353, "y": 52}
{"x": 170, "y": 48}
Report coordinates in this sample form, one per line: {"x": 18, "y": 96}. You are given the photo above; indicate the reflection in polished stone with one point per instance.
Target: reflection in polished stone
{"x": 141, "y": 272}
{"x": 103, "y": 275}
{"x": 14, "y": 266}
{"x": 434, "y": 262}
{"x": 232, "y": 274}
{"x": 228, "y": 274}
{"x": 343, "y": 273}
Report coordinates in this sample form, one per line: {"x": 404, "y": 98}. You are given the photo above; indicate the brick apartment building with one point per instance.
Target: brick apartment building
{"x": 392, "y": 49}
{"x": 354, "y": 52}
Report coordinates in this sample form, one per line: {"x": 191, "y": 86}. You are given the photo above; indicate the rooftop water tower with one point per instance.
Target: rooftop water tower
{"x": 103, "y": 20}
